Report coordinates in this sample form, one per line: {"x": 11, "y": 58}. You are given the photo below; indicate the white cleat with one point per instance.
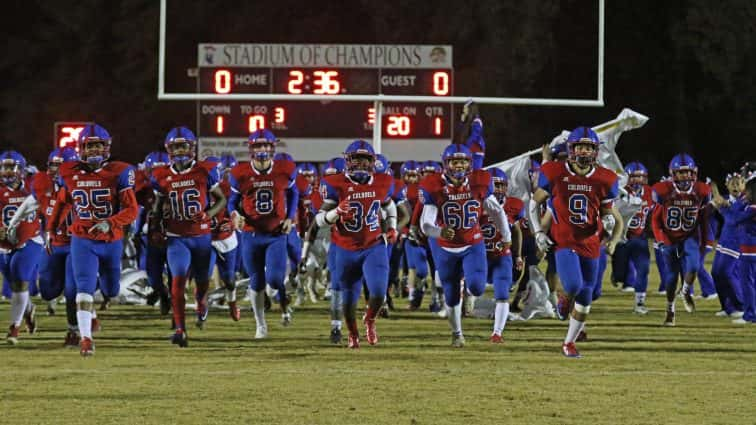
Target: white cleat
{"x": 262, "y": 332}
{"x": 739, "y": 321}
{"x": 640, "y": 309}
{"x": 736, "y": 314}
{"x": 721, "y": 313}
{"x": 286, "y": 319}
{"x": 711, "y": 297}
{"x": 628, "y": 289}
{"x": 458, "y": 340}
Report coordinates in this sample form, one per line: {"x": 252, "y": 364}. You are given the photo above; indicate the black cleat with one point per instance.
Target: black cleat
{"x": 335, "y": 336}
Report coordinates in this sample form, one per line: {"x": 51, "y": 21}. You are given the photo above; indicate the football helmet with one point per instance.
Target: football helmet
{"x": 155, "y": 159}
{"x": 360, "y": 160}
{"x": 637, "y": 174}
{"x": 382, "y": 164}
{"x": 58, "y": 156}
{"x": 177, "y": 139}
{"x": 410, "y": 171}
{"x": 453, "y": 153}
{"x": 283, "y": 156}
{"x": 559, "y": 151}
{"x": 12, "y": 165}
{"x": 228, "y": 161}
{"x": 683, "y": 170}
{"x": 430, "y": 167}
{"x": 334, "y": 166}
{"x": 92, "y": 134}
{"x": 583, "y": 136}
{"x": 308, "y": 171}
{"x": 262, "y": 145}
{"x": 500, "y": 182}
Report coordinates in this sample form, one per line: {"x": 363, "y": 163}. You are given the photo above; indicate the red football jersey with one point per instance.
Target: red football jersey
{"x": 45, "y": 189}
{"x": 637, "y": 224}
{"x": 10, "y": 200}
{"x": 493, "y": 238}
{"x": 459, "y": 208}
{"x": 304, "y": 212}
{"x": 222, "y": 227}
{"x": 576, "y": 203}
{"x": 187, "y": 195}
{"x": 105, "y": 194}
{"x": 677, "y": 214}
{"x": 365, "y": 201}
{"x": 263, "y": 194}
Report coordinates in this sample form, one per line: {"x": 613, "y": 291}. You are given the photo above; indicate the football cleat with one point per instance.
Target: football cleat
{"x": 12, "y": 336}
{"x": 736, "y": 314}
{"x": 740, "y": 321}
{"x": 569, "y": 350}
{"x": 496, "y": 339}
{"x": 286, "y": 319}
{"x": 628, "y": 289}
{"x": 354, "y": 341}
{"x": 267, "y": 305}
{"x": 640, "y": 309}
{"x": 51, "y": 308}
{"x": 96, "y": 326}
{"x": 234, "y": 311}
{"x": 105, "y": 304}
{"x": 688, "y": 302}
{"x": 261, "y": 332}
{"x": 152, "y": 298}
{"x": 202, "y": 313}
{"x": 670, "y": 319}
{"x": 335, "y": 336}
{"x": 87, "y": 347}
{"x": 435, "y": 307}
{"x": 582, "y": 337}
{"x": 563, "y": 307}
{"x": 165, "y": 304}
{"x": 458, "y": 340}
{"x": 370, "y": 334}
{"x": 180, "y": 338}
{"x": 30, "y": 318}
{"x": 721, "y": 313}
{"x": 72, "y": 339}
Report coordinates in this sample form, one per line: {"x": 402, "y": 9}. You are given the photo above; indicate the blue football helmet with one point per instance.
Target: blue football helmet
{"x": 308, "y": 171}
{"x": 360, "y": 160}
{"x": 93, "y": 133}
{"x": 334, "y": 166}
{"x": 683, "y": 170}
{"x": 262, "y": 145}
{"x": 430, "y": 167}
{"x": 559, "y": 151}
{"x": 180, "y": 137}
{"x": 382, "y": 164}
{"x": 637, "y": 175}
{"x": 410, "y": 168}
{"x": 155, "y": 159}
{"x": 229, "y": 161}
{"x": 583, "y": 136}
{"x": 58, "y": 156}
{"x": 12, "y": 166}
{"x": 283, "y": 156}
{"x": 454, "y": 152}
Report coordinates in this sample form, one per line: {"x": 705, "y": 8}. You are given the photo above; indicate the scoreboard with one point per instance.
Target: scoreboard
{"x": 331, "y": 70}
{"x": 66, "y": 133}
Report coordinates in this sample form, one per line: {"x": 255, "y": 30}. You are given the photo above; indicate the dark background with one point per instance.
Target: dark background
{"x": 689, "y": 65}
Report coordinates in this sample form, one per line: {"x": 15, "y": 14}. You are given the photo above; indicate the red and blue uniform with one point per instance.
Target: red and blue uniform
{"x": 103, "y": 194}
{"x": 500, "y": 258}
{"x": 724, "y": 268}
{"x": 576, "y": 202}
{"x": 678, "y": 223}
{"x": 264, "y": 199}
{"x": 459, "y": 208}
{"x": 416, "y": 251}
{"x": 225, "y": 241}
{"x": 357, "y": 247}
{"x": 20, "y": 262}
{"x": 632, "y": 259}
{"x": 745, "y": 218}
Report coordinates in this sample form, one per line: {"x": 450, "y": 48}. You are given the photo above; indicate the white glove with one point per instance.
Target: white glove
{"x": 609, "y": 222}
{"x": 10, "y": 235}
{"x": 101, "y": 227}
{"x": 543, "y": 242}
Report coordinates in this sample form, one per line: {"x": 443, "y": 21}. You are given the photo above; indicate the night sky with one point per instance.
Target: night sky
{"x": 688, "y": 65}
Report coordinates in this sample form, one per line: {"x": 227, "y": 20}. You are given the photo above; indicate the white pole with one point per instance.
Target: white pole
{"x": 600, "y": 95}
{"x": 377, "y": 123}
{"x": 161, "y": 52}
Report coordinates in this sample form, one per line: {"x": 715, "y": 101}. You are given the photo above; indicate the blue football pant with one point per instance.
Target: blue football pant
{"x": 578, "y": 275}
{"x": 349, "y": 267}
{"x": 264, "y": 258}
{"x": 453, "y": 266}
{"x": 91, "y": 258}
{"x": 727, "y": 281}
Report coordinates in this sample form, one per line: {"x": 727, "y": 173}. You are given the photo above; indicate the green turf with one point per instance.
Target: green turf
{"x": 634, "y": 372}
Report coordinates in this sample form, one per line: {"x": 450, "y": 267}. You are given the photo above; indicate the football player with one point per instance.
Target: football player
{"x": 453, "y": 203}
{"x": 499, "y": 255}
{"x": 580, "y": 193}
{"x": 23, "y": 243}
{"x": 677, "y": 220}
{"x": 353, "y": 205}
{"x": 746, "y": 221}
{"x": 633, "y": 254}
{"x": 264, "y": 194}
{"x": 101, "y": 193}
{"x": 186, "y": 187}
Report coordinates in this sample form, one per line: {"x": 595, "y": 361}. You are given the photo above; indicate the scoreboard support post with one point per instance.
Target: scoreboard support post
{"x": 377, "y": 128}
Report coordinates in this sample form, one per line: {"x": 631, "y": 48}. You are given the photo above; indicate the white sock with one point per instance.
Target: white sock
{"x": 500, "y": 317}
{"x": 640, "y": 298}
{"x": 455, "y": 318}
{"x": 573, "y": 330}
{"x": 231, "y": 295}
{"x": 258, "y": 306}
{"x": 85, "y": 323}
{"x": 671, "y": 306}
{"x": 336, "y": 324}
{"x": 686, "y": 289}
{"x": 19, "y": 300}
{"x": 411, "y": 294}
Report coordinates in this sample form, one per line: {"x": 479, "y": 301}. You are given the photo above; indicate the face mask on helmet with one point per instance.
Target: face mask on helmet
{"x": 9, "y": 171}
{"x": 95, "y": 151}
{"x": 584, "y": 154}
{"x": 360, "y": 166}
{"x": 180, "y": 151}
{"x": 458, "y": 167}
{"x": 683, "y": 178}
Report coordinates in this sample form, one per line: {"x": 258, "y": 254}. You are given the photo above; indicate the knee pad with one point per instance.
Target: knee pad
{"x": 82, "y": 297}
{"x": 583, "y": 309}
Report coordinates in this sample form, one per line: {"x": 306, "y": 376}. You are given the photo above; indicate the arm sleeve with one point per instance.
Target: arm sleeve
{"x": 390, "y": 209}
{"x": 611, "y": 194}
{"x": 292, "y": 200}
{"x": 60, "y": 202}
{"x": 29, "y": 206}
{"x": 428, "y": 221}
{"x": 129, "y": 209}
{"x": 126, "y": 179}
{"x": 496, "y": 212}
{"x": 235, "y": 196}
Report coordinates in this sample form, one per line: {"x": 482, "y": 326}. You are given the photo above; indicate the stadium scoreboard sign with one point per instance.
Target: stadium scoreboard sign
{"x": 66, "y": 133}
{"x": 325, "y": 69}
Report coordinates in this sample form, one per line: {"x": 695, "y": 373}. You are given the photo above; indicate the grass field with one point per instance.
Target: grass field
{"x": 633, "y": 372}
